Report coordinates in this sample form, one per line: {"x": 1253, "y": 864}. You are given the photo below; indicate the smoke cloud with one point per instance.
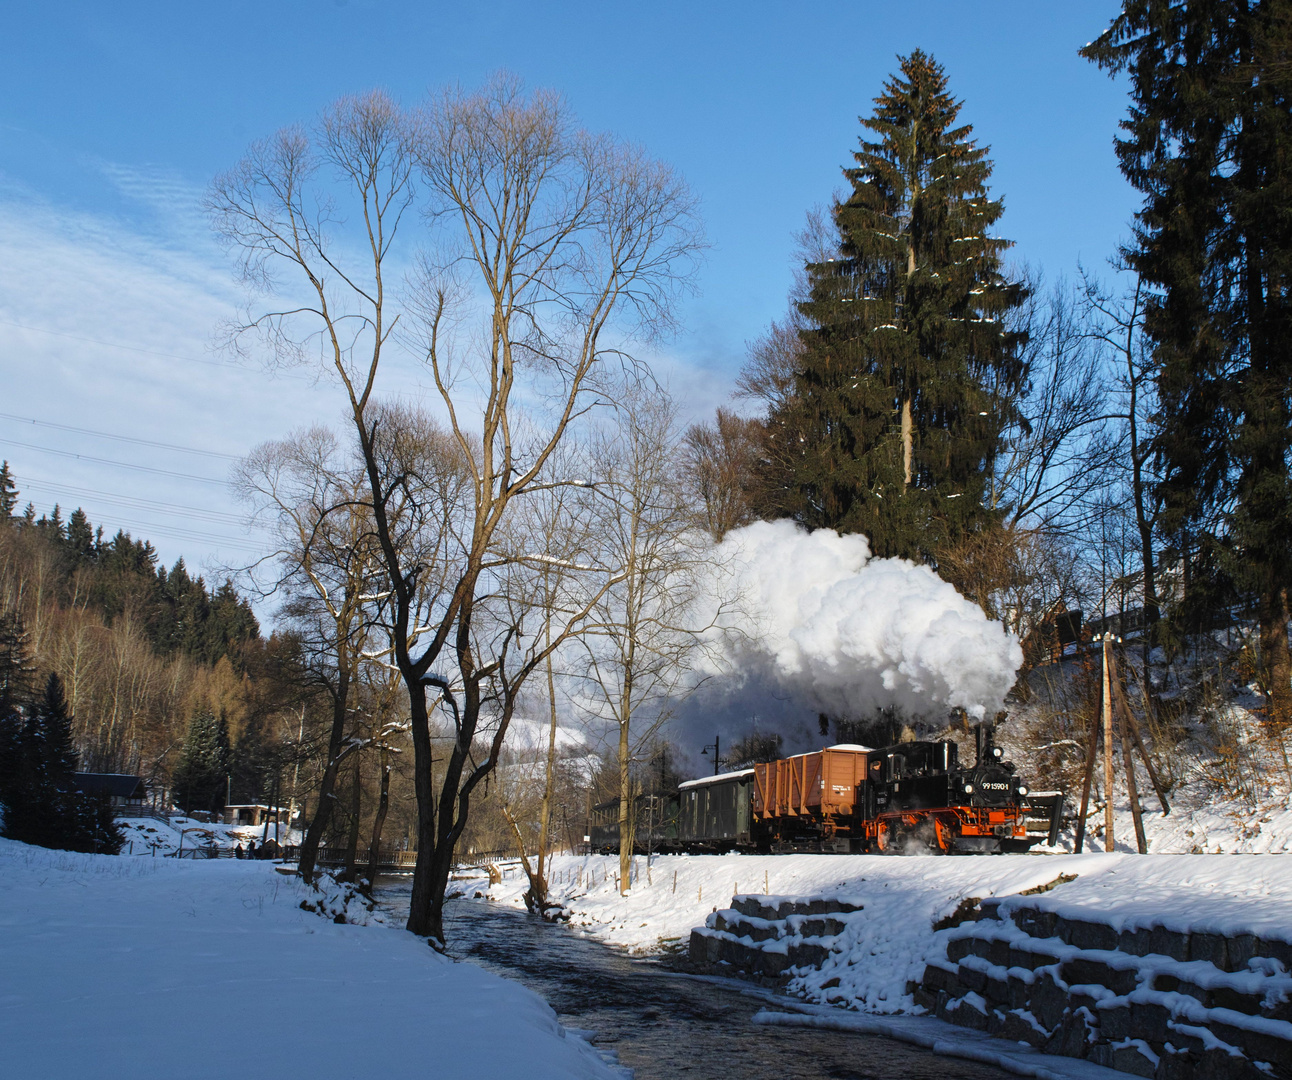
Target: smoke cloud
{"x": 818, "y": 621}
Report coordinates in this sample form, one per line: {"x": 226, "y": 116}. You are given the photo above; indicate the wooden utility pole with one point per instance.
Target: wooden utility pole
{"x": 1113, "y": 697}
{"x": 1107, "y": 696}
{"x": 1092, "y": 748}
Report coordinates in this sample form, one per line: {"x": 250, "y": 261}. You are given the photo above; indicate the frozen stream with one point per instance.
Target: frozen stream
{"x": 663, "y": 1024}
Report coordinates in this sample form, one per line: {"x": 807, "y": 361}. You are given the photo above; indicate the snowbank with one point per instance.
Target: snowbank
{"x": 149, "y": 969}
{"x": 888, "y": 944}
{"x": 1196, "y": 826}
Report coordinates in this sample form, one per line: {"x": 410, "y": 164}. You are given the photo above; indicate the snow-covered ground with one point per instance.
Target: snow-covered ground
{"x": 888, "y": 944}
{"x": 1195, "y": 825}
{"x": 144, "y": 968}
{"x": 144, "y": 836}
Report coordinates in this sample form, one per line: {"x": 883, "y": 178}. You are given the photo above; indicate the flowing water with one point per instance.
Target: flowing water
{"x": 662, "y": 1023}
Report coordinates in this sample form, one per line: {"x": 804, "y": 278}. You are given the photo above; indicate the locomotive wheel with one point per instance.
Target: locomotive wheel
{"x": 899, "y": 838}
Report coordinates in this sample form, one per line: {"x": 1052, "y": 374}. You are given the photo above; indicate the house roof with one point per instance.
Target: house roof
{"x": 115, "y": 785}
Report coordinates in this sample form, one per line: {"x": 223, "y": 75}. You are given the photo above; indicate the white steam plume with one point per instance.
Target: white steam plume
{"x": 817, "y": 616}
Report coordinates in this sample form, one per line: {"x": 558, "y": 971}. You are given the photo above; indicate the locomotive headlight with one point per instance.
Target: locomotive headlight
{"x": 968, "y": 789}
{"x": 1022, "y": 789}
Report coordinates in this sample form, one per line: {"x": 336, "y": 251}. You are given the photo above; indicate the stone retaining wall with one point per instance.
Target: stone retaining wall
{"x": 1152, "y": 1002}
{"x": 771, "y": 939}
{"x": 1156, "y": 1003}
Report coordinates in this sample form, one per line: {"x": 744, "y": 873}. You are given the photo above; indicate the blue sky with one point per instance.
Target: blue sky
{"x": 113, "y": 117}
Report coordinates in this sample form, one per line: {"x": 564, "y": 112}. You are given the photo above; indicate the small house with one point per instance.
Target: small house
{"x": 123, "y": 790}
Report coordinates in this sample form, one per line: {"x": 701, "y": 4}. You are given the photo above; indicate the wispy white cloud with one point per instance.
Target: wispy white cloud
{"x": 108, "y": 328}
{"x": 108, "y": 323}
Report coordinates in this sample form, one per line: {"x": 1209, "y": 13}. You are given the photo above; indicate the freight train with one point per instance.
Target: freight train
{"x": 910, "y": 797}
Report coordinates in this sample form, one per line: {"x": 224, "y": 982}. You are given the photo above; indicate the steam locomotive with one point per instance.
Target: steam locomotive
{"x": 905, "y": 798}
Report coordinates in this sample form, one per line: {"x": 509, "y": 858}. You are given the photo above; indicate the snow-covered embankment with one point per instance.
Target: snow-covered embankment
{"x": 150, "y": 969}
{"x": 858, "y": 931}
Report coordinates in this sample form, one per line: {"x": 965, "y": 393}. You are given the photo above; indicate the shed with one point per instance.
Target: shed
{"x": 254, "y": 814}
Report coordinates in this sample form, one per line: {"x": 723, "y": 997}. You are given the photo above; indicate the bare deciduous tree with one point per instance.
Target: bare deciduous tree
{"x": 555, "y": 247}
{"x": 1058, "y": 455}
{"x": 640, "y": 644}
{"x": 1117, "y": 324}
{"x": 720, "y": 466}
{"x": 328, "y": 568}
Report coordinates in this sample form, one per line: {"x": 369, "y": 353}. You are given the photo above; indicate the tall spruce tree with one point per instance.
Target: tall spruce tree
{"x": 200, "y": 779}
{"x": 17, "y": 672}
{"x": 1208, "y": 141}
{"x": 17, "y": 678}
{"x": 41, "y": 802}
{"x": 8, "y": 493}
{"x": 909, "y": 371}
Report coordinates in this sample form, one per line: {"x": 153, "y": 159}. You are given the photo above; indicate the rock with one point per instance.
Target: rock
{"x": 1101, "y": 1054}
{"x": 1084, "y": 971}
{"x": 1134, "y": 942}
{"x": 925, "y": 999}
{"x": 1259, "y": 1045}
{"x": 1132, "y": 1059}
{"x": 821, "y": 927}
{"x": 1020, "y": 992}
{"x": 1029, "y": 958}
{"x": 994, "y": 951}
{"x": 939, "y": 978}
{"x": 1148, "y": 1021}
{"x": 1219, "y": 1064}
{"x": 1037, "y": 924}
{"x": 807, "y": 954}
{"x": 1049, "y": 1001}
{"x": 1016, "y": 1028}
{"x": 1226, "y": 997}
{"x": 1071, "y": 1038}
{"x": 1276, "y": 950}
{"x": 995, "y": 990}
{"x": 963, "y": 1012}
{"x": 1177, "y": 1066}
{"x": 1241, "y": 948}
{"x": 1213, "y": 948}
{"x": 1114, "y": 1022}
{"x": 1168, "y": 943}
{"x": 1087, "y": 935}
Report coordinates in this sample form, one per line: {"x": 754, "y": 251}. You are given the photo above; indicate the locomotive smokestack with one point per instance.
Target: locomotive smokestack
{"x": 984, "y": 741}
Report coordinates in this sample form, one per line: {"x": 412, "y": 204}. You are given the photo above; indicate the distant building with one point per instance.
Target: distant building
{"x": 124, "y": 791}
{"x": 253, "y": 814}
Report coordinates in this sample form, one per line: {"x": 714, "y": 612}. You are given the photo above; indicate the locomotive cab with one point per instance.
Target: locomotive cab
{"x": 912, "y": 776}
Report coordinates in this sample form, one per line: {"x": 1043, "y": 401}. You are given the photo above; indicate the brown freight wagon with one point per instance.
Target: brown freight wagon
{"x": 813, "y": 797}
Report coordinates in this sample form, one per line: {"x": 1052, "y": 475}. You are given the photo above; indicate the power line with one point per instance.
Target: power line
{"x": 132, "y": 502}
{"x": 119, "y": 438}
{"x": 118, "y": 464}
{"x": 171, "y": 531}
{"x": 144, "y": 530}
